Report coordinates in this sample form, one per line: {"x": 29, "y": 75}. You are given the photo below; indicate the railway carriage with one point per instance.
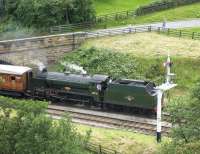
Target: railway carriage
{"x": 14, "y": 80}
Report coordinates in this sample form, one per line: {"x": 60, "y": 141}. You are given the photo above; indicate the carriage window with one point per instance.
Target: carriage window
{"x": 12, "y": 78}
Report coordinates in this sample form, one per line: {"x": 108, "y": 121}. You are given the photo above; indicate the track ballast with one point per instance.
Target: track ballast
{"x": 109, "y": 120}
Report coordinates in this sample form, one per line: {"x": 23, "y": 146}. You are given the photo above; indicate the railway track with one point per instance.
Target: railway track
{"x": 109, "y": 120}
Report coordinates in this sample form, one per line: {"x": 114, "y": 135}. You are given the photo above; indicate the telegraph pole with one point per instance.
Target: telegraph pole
{"x": 159, "y": 92}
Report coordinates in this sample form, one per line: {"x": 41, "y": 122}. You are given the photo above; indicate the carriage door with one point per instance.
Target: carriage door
{"x": 13, "y": 82}
{"x": 16, "y": 83}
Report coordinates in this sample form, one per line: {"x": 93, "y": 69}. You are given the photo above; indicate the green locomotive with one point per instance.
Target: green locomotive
{"x": 96, "y": 90}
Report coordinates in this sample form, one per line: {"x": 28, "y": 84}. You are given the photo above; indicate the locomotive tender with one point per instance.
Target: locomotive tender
{"x": 96, "y": 90}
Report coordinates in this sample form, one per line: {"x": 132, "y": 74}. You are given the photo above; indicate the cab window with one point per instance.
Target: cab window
{"x": 12, "y": 78}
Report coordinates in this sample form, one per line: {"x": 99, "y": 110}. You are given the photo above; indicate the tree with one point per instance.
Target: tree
{"x": 10, "y": 7}
{"x": 82, "y": 11}
{"x": 185, "y": 115}
{"x": 25, "y": 129}
{"x": 45, "y": 13}
{"x": 42, "y": 13}
{"x": 2, "y": 8}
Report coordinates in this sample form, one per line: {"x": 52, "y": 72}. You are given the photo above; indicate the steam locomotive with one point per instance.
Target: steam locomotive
{"x": 97, "y": 90}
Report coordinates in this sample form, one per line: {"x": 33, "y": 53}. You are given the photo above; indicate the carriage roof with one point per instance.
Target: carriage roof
{"x": 14, "y": 70}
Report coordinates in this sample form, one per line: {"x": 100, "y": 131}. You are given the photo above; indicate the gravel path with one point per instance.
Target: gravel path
{"x": 169, "y": 24}
{"x": 178, "y": 24}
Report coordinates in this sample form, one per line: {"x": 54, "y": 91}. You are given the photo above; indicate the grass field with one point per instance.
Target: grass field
{"x": 184, "y": 12}
{"x": 195, "y": 29}
{"x": 110, "y": 6}
{"x": 142, "y": 44}
{"x": 121, "y": 140}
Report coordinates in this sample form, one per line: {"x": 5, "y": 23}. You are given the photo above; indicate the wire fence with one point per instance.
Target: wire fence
{"x": 180, "y": 33}
{"x": 103, "y": 32}
{"x": 142, "y": 29}
{"x": 115, "y": 16}
{"x": 72, "y": 27}
{"x": 89, "y": 30}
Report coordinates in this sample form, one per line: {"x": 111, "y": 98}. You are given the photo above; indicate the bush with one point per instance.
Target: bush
{"x": 115, "y": 64}
{"x": 185, "y": 116}
{"x": 186, "y": 148}
{"x": 82, "y": 11}
{"x": 25, "y": 129}
{"x": 102, "y": 61}
{"x": 156, "y": 71}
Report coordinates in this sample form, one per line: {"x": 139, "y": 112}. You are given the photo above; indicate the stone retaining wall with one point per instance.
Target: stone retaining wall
{"x": 45, "y": 49}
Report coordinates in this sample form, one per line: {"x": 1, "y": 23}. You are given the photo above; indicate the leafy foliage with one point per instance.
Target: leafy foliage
{"x": 83, "y": 10}
{"x": 115, "y": 64}
{"x": 45, "y": 13}
{"x": 185, "y": 113}
{"x": 104, "y": 62}
{"x": 2, "y": 8}
{"x": 155, "y": 71}
{"x": 25, "y": 129}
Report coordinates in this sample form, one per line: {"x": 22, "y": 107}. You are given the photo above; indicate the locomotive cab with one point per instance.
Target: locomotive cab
{"x": 14, "y": 79}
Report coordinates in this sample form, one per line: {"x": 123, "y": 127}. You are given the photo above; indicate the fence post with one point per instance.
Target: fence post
{"x": 130, "y": 30}
{"x": 193, "y": 35}
{"x": 180, "y": 33}
{"x": 159, "y": 30}
{"x": 127, "y": 13}
{"x": 116, "y": 16}
{"x": 60, "y": 29}
{"x": 168, "y": 31}
{"x": 106, "y": 18}
{"x": 73, "y": 44}
{"x": 149, "y": 28}
{"x": 100, "y": 151}
{"x": 95, "y": 19}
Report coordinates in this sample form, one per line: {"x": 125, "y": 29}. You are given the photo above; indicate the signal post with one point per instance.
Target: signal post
{"x": 159, "y": 92}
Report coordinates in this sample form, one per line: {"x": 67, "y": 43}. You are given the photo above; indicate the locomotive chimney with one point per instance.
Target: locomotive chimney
{"x": 42, "y": 68}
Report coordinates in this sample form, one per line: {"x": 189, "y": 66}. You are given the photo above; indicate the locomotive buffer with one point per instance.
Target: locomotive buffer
{"x": 159, "y": 92}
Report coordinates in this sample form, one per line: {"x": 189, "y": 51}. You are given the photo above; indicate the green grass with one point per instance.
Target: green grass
{"x": 184, "y": 12}
{"x": 110, "y": 6}
{"x": 195, "y": 29}
{"x": 123, "y": 141}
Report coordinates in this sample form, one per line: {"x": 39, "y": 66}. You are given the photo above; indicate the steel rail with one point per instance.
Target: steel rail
{"x": 109, "y": 120}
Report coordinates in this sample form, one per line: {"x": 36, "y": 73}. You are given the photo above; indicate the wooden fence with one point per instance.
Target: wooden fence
{"x": 127, "y": 30}
{"x": 115, "y": 16}
{"x": 99, "y": 149}
{"x": 180, "y": 33}
{"x": 88, "y": 26}
{"x": 119, "y": 31}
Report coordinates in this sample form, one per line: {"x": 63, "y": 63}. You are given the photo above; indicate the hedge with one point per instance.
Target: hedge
{"x": 162, "y": 5}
